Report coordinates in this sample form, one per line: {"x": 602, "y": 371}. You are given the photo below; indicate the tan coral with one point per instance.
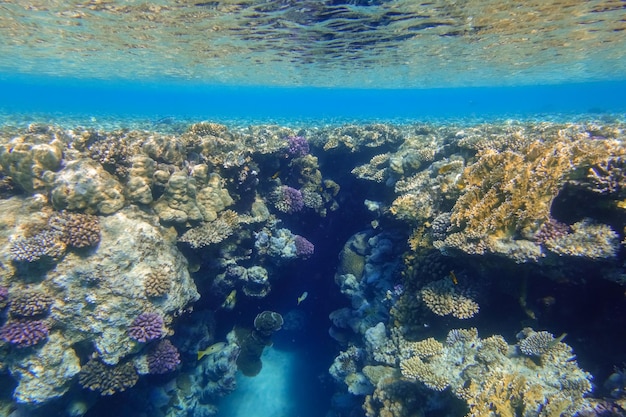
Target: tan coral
{"x": 444, "y": 298}
{"x": 28, "y": 158}
{"x": 508, "y": 194}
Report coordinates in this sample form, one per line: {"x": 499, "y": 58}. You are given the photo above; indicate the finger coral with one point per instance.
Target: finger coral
{"x": 107, "y": 379}
{"x": 30, "y": 249}
{"x": 147, "y": 326}
{"x": 76, "y": 229}
{"x": 163, "y": 357}
{"x": 24, "y": 333}
{"x": 287, "y": 199}
{"x": 30, "y": 304}
{"x": 157, "y": 283}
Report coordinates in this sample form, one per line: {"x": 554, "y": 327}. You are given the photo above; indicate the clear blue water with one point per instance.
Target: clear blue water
{"x": 257, "y": 104}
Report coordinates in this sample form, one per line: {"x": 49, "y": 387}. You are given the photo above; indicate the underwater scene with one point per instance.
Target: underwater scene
{"x": 330, "y": 208}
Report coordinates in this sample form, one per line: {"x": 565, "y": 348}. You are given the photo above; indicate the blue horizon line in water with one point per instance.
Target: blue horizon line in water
{"x": 22, "y": 94}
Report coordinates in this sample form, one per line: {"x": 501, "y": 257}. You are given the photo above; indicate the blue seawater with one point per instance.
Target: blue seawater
{"x": 255, "y": 104}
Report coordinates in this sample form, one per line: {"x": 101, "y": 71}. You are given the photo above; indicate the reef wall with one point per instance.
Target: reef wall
{"x": 109, "y": 237}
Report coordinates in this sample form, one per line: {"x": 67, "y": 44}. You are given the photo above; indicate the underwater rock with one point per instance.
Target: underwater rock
{"x": 84, "y": 185}
{"x": 252, "y": 342}
{"x": 47, "y": 374}
{"x": 104, "y": 296}
{"x": 30, "y": 158}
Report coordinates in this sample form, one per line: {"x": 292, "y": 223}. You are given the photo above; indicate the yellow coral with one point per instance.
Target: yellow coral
{"x": 508, "y": 194}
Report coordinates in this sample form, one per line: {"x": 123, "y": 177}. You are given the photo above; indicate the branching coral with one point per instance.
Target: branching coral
{"x": 30, "y": 304}
{"x": 212, "y": 232}
{"x": 444, "y": 298}
{"x": 76, "y": 229}
{"x": 507, "y": 194}
{"x": 146, "y": 326}
{"x": 24, "y": 333}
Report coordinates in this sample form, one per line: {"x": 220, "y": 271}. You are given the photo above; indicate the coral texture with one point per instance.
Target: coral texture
{"x": 76, "y": 229}
{"x": 287, "y": 199}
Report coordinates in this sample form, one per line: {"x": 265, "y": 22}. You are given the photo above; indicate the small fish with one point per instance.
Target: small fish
{"x": 230, "y": 301}
{"x": 303, "y": 297}
{"x": 455, "y": 281}
{"x": 276, "y": 175}
{"x": 211, "y": 350}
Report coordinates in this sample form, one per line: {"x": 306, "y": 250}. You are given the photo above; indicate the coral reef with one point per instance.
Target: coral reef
{"x": 76, "y": 229}
{"x": 157, "y": 283}
{"x": 491, "y": 381}
{"x": 84, "y": 185}
{"x": 287, "y": 199}
{"x": 29, "y": 158}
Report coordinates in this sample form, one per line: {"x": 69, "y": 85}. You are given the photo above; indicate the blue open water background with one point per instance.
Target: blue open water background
{"x": 92, "y": 98}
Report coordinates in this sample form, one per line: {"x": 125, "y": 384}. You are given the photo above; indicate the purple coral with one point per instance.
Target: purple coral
{"x": 297, "y": 146}
{"x": 304, "y": 248}
{"x": 551, "y": 230}
{"x": 164, "y": 357}
{"x": 288, "y": 199}
{"x": 147, "y": 326}
{"x": 24, "y": 333}
{"x": 4, "y": 296}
